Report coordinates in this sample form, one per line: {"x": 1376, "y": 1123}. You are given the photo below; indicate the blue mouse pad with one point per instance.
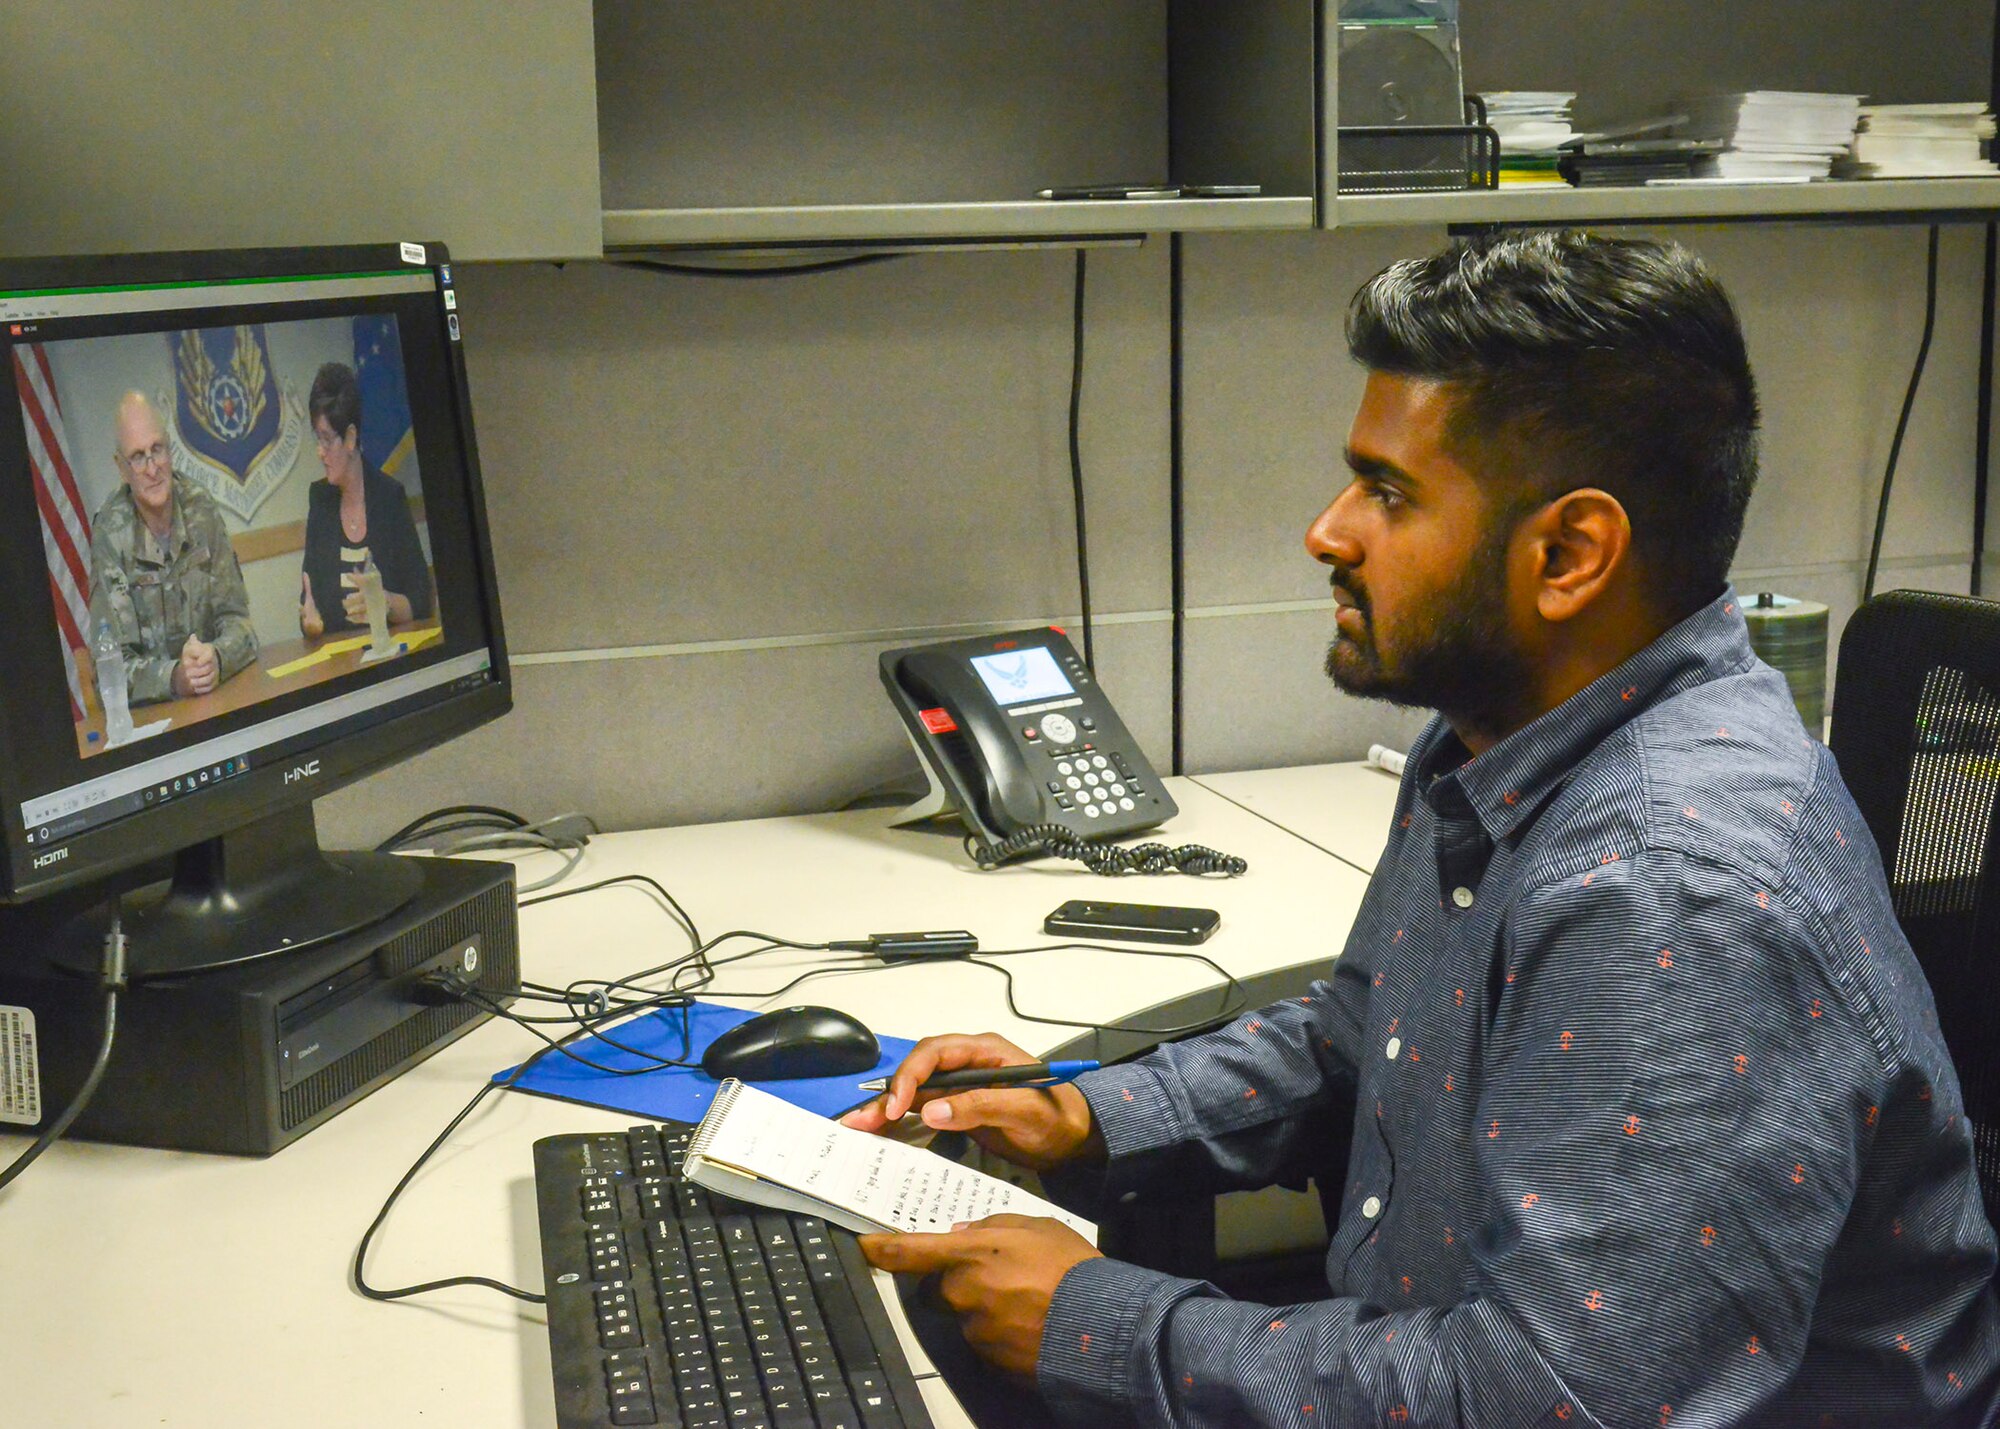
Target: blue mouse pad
{"x": 681, "y": 1093}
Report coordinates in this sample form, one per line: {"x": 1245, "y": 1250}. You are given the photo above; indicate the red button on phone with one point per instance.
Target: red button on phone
{"x": 938, "y": 721}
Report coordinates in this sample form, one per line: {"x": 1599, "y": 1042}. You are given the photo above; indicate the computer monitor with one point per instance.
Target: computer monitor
{"x": 249, "y": 479}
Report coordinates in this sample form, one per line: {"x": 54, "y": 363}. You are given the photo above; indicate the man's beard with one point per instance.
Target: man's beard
{"x": 1454, "y": 654}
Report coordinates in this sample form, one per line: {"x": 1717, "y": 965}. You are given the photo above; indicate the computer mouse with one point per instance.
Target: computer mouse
{"x": 792, "y": 1042}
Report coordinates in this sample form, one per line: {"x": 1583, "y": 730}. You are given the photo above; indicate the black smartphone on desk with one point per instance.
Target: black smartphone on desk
{"x": 1132, "y": 922}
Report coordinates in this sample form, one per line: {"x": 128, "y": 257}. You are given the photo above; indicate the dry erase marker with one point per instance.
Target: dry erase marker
{"x": 1025, "y": 1074}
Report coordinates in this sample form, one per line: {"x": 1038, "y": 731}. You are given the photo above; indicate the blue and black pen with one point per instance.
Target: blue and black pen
{"x": 1024, "y": 1074}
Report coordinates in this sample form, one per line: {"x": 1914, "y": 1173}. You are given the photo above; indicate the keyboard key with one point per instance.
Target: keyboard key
{"x": 628, "y": 1384}
{"x": 872, "y": 1398}
{"x": 617, "y": 1317}
{"x": 832, "y": 1408}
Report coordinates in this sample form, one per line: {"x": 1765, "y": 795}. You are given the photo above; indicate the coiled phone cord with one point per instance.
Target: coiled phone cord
{"x": 1060, "y": 842}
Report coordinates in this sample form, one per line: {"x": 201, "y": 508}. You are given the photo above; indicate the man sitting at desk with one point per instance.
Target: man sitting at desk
{"x": 1645, "y": 1113}
{"x": 163, "y": 574}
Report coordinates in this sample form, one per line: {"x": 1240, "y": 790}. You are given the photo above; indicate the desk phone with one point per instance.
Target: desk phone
{"x": 1013, "y": 731}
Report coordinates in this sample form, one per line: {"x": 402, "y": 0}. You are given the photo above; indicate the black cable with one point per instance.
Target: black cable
{"x": 480, "y": 999}
{"x": 1176, "y": 490}
{"x": 1909, "y": 401}
{"x": 592, "y": 1006}
{"x": 1149, "y": 858}
{"x": 797, "y": 270}
{"x": 361, "y": 1251}
{"x": 1076, "y": 463}
{"x": 1982, "y": 453}
{"x": 1233, "y": 1001}
{"x": 679, "y": 912}
{"x": 452, "y": 826}
{"x": 114, "y": 983}
{"x": 506, "y": 816}
{"x": 1233, "y": 991}
{"x": 650, "y": 1061}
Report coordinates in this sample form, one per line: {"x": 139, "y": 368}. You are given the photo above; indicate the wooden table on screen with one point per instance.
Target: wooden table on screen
{"x": 253, "y": 684}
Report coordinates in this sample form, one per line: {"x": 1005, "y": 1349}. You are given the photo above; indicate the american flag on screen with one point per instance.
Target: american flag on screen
{"x": 65, "y": 523}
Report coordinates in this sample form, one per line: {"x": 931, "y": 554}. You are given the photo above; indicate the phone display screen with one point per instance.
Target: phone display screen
{"x": 1016, "y": 676}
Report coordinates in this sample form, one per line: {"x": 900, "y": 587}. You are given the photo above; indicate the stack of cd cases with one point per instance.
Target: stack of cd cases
{"x": 1605, "y": 163}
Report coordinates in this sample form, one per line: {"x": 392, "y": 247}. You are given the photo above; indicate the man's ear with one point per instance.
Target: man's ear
{"x": 1582, "y": 541}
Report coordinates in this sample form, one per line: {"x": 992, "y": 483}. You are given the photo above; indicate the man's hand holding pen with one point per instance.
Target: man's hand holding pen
{"x": 999, "y": 1274}
{"x": 1039, "y": 1127}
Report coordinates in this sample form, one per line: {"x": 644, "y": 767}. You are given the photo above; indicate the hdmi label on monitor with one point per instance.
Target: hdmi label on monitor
{"x": 20, "y": 1067}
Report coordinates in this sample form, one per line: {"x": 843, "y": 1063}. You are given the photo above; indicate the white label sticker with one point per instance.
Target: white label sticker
{"x": 414, "y": 253}
{"x": 20, "y": 1067}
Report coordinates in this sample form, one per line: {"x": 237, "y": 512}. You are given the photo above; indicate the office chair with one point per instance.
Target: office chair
{"x": 1916, "y": 733}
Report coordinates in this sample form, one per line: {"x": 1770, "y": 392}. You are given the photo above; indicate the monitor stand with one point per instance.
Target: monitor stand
{"x": 261, "y": 889}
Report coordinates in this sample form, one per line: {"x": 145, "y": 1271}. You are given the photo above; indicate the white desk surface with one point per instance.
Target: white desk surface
{"x": 1344, "y": 809}
{"x": 145, "y": 1287}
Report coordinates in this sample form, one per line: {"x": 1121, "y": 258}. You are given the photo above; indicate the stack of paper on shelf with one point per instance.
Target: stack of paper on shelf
{"x": 1907, "y": 141}
{"x": 1533, "y": 125}
{"x": 1773, "y": 134}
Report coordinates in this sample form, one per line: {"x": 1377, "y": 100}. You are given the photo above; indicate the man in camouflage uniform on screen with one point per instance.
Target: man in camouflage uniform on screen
{"x": 162, "y": 571}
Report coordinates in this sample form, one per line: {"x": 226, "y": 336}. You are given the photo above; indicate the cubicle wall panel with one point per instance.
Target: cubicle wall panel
{"x": 1259, "y": 697}
{"x": 138, "y": 126}
{"x": 661, "y": 740}
{"x": 1833, "y": 318}
{"x": 718, "y": 103}
{"x": 1269, "y": 392}
{"x": 672, "y": 458}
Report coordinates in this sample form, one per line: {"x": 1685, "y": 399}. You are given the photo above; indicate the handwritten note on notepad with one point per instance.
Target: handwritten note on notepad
{"x": 754, "y": 1146}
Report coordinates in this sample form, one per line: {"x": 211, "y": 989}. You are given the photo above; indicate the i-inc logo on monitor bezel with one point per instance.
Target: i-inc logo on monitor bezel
{"x": 301, "y": 771}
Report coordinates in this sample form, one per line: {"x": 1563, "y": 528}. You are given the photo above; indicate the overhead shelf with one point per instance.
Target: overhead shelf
{"x": 937, "y": 121}
{"x": 933, "y": 122}
{"x": 628, "y": 230}
{"x": 1833, "y": 198}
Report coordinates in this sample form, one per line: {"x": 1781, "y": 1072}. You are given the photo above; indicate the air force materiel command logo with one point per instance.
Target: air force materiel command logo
{"x": 236, "y": 432}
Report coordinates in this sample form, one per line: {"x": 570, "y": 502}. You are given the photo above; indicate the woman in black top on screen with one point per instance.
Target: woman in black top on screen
{"x": 355, "y": 517}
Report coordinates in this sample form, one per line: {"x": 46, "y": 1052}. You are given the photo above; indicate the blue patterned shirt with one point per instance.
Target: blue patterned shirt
{"x": 1651, "y": 1123}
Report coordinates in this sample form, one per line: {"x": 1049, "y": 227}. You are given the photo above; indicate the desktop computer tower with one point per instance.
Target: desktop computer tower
{"x": 248, "y": 1059}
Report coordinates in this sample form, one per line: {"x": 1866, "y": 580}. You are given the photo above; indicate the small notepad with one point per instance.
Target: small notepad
{"x": 753, "y": 1146}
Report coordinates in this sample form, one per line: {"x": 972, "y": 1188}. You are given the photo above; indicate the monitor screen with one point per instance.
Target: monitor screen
{"x": 244, "y": 544}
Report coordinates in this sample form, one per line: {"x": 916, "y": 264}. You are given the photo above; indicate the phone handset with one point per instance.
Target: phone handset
{"x": 1005, "y": 794}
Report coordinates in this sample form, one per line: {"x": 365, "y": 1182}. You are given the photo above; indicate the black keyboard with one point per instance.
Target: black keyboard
{"x": 671, "y": 1305}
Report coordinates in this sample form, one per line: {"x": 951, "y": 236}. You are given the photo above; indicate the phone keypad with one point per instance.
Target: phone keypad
{"x": 1097, "y": 784}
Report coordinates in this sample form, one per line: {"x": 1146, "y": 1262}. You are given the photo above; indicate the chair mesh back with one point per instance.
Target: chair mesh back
{"x": 1916, "y": 732}
{"x": 1941, "y": 849}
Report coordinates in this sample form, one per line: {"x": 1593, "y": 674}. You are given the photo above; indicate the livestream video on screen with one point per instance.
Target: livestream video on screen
{"x": 230, "y": 514}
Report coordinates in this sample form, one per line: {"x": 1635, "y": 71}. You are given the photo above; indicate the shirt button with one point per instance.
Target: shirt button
{"x": 1462, "y": 897}
{"x": 1371, "y": 1208}
{"x": 1395, "y": 1046}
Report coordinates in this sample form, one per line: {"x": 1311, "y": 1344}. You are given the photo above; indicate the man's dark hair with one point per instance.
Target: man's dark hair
{"x": 1585, "y": 361}
{"x": 336, "y": 396}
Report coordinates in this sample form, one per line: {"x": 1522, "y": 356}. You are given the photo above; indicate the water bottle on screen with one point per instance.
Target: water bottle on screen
{"x": 375, "y": 603}
{"x": 112, "y": 693}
